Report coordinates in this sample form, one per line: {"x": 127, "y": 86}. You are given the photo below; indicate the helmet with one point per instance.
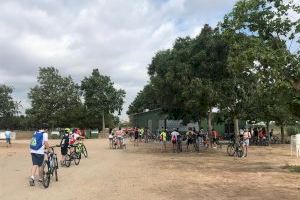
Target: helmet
{"x": 67, "y": 130}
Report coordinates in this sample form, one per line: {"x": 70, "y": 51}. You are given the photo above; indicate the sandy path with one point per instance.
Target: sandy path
{"x": 145, "y": 173}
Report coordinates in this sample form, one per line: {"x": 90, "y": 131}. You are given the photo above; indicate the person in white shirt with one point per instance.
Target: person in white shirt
{"x": 174, "y": 135}
{"x": 39, "y": 143}
{"x": 246, "y": 141}
{"x": 7, "y": 137}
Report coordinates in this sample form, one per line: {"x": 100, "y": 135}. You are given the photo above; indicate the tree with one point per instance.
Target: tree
{"x": 53, "y": 99}
{"x": 101, "y": 97}
{"x": 145, "y": 99}
{"x": 8, "y": 107}
{"x": 257, "y": 32}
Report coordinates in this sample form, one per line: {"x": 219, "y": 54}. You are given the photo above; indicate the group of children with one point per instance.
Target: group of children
{"x": 69, "y": 138}
{"x": 38, "y": 145}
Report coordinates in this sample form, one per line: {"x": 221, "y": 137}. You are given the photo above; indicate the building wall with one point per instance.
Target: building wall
{"x": 155, "y": 121}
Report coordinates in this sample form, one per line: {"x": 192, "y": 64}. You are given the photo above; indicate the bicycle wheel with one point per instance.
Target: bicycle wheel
{"x": 76, "y": 157}
{"x": 46, "y": 175}
{"x": 84, "y": 151}
{"x": 68, "y": 160}
{"x": 230, "y": 149}
{"x": 55, "y": 167}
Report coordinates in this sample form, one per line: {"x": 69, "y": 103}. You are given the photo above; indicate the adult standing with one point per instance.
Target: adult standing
{"x": 163, "y": 140}
{"x": 190, "y": 134}
{"x": 246, "y": 141}
{"x": 214, "y": 138}
{"x": 136, "y": 137}
{"x": 174, "y": 135}
{"x": 8, "y": 137}
{"x": 38, "y": 144}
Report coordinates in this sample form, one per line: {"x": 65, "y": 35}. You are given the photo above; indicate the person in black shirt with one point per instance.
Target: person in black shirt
{"x": 64, "y": 143}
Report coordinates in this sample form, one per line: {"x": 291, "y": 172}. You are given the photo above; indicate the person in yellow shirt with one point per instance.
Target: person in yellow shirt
{"x": 163, "y": 140}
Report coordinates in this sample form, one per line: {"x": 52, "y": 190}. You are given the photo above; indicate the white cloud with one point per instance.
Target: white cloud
{"x": 120, "y": 37}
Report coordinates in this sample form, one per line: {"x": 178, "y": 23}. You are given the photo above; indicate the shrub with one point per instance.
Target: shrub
{"x": 292, "y": 130}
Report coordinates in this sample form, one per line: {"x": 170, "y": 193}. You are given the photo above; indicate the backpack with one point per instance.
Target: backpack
{"x": 36, "y": 140}
{"x": 173, "y": 138}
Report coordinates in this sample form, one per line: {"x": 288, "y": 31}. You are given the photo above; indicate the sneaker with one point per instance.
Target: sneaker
{"x": 31, "y": 181}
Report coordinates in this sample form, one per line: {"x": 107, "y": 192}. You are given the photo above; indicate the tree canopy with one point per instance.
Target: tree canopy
{"x": 100, "y": 96}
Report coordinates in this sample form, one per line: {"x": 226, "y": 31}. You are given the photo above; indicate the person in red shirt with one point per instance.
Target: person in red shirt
{"x": 214, "y": 135}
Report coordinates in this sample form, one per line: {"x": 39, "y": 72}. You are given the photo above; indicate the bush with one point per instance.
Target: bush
{"x": 292, "y": 130}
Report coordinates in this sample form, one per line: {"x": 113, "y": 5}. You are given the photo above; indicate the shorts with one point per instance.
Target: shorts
{"x": 214, "y": 140}
{"x": 163, "y": 142}
{"x": 246, "y": 142}
{"x": 7, "y": 140}
{"x": 189, "y": 141}
{"x": 64, "y": 151}
{"x": 37, "y": 159}
{"x": 173, "y": 141}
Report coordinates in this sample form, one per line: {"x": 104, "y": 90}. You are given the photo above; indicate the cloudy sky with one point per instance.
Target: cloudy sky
{"x": 118, "y": 37}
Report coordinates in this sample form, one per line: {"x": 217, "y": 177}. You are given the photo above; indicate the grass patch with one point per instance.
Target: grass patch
{"x": 292, "y": 168}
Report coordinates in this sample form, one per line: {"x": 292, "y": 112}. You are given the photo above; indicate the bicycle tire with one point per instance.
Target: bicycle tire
{"x": 55, "y": 167}
{"x": 240, "y": 153}
{"x": 76, "y": 158}
{"x": 84, "y": 151}
{"x": 46, "y": 175}
{"x": 67, "y": 160}
{"x": 230, "y": 150}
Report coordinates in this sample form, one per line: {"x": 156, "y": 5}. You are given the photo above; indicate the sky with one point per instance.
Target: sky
{"x": 118, "y": 37}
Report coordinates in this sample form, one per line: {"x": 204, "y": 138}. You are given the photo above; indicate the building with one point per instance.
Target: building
{"x": 155, "y": 121}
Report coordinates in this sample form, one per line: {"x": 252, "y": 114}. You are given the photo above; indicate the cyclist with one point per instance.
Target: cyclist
{"x": 38, "y": 144}
{"x": 64, "y": 143}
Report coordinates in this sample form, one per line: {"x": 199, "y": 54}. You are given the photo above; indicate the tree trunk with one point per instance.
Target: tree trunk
{"x": 282, "y": 133}
{"x": 209, "y": 121}
{"x": 103, "y": 123}
{"x": 236, "y": 127}
{"x": 199, "y": 124}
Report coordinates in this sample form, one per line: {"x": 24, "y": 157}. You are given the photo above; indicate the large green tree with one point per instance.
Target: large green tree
{"x": 101, "y": 98}
{"x": 8, "y": 107}
{"x": 258, "y": 32}
{"x": 53, "y": 99}
{"x": 145, "y": 99}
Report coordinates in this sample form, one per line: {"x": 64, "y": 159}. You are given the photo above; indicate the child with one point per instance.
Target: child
{"x": 64, "y": 143}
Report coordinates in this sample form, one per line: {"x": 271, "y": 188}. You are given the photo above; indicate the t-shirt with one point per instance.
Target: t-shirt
{"x": 214, "y": 134}
{"x": 73, "y": 138}
{"x": 7, "y": 134}
{"x": 41, "y": 150}
{"x": 246, "y": 135}
{"x": 136, "y": 133}
{"x": 174, "y": 134}
{"x": 190, "y": 134}
{"x": 65, "y": 141}
{"x": 163, "y": 136}
{"x": 119, "y": 132}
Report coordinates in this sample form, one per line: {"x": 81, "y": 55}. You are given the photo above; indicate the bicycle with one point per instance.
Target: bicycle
{"x": 73, "y": 155}
{"x": 82, "y": 149}
{"x": 275, "y": 140}
{"x": 50, "y": 167}
{"x": 235, "y": 149}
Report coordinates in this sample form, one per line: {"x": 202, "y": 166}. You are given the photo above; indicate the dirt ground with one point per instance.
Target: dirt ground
{"x": 145, "y": 173}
